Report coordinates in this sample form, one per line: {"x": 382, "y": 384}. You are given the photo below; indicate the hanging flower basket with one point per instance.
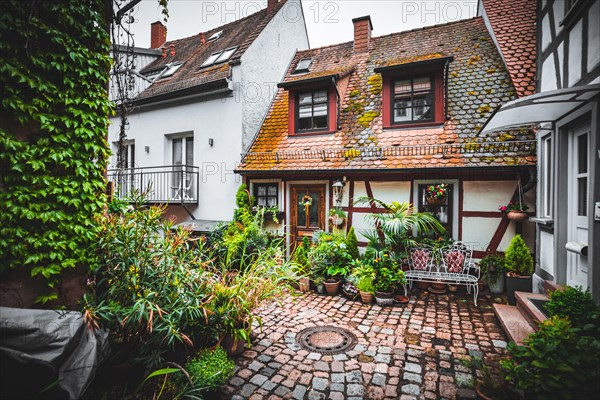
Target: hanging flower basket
{"x": 517, "y": 216}
{"x": 436, "y": 194}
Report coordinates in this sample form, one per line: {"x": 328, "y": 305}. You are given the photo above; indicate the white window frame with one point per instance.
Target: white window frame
{"x": 546, "y": 165}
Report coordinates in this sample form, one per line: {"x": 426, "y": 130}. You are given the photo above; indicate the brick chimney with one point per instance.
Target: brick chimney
{"x": 271, "y": 5}
{"x": 362, "y": 33}
{"x": 158, "y": 35}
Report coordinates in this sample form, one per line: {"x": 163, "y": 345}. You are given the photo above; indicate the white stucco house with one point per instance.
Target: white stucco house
{"x": 202, "y": 101}
{"x": 565, "y": 110}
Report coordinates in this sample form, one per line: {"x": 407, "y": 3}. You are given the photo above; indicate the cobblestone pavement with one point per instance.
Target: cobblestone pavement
{"x": 410, "y": 351}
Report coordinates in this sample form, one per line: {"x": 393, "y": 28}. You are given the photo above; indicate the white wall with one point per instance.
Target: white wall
{"x": 143, "y": 58}
{"x": 265, "y": 63}
{"x": 217, "y": 118}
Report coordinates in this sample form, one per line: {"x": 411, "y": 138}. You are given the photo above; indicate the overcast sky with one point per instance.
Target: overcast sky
{"x": 327, "y": 22}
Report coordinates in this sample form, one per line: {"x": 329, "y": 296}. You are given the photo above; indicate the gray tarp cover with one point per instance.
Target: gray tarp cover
{"x": 46, "y": 346}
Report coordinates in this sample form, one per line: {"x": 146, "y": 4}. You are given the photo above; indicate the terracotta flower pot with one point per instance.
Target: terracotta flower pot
{"x": 233, "y": 346}
{"x": 366, "y": 297}
{"x": 422, "y": 285}
{"x": 517, "y": 216}
{"x": 332, "y": 286}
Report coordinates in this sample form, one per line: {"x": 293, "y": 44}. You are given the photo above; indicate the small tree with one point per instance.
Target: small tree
{"x": 518, "y": 257}
{"x": 352, "y": 244}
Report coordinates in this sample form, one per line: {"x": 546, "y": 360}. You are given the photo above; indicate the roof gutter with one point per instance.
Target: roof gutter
{"x": 362, "y": 171}
{"x": 416, "y": 64}
{"x": 302, "y": 82}
{"x": 221, "y": 86}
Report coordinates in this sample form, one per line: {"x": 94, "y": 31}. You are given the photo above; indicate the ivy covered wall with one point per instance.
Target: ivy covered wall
{"x": 53, "y": 124}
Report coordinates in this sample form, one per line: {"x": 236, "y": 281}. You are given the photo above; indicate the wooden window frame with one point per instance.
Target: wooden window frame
{"x": 438, "y": 89}
{"x": 297, "y": 111}
{"x": 267, "y": 196}
{"x": 393, "y": 99}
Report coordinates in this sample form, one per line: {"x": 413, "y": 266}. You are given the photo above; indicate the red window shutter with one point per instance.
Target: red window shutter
{"x": 386, "y": 102}
{"x": 440, "y": 109}
{"x": 332, "y": 109}
{"x": 292, "y": 112}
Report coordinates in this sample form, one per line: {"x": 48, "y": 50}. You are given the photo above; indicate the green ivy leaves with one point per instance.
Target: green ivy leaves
{"x": 54, "y": 118}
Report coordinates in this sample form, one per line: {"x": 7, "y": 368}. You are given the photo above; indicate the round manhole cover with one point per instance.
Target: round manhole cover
{"x": 326, "y": 339}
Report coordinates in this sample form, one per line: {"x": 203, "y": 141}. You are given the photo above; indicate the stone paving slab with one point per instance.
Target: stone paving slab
{"x": 410, "y": 351}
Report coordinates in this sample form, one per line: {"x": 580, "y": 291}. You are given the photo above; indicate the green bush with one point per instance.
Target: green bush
{"x": 300, "y": 257}
{"x": 352, "y": 244}
{"x": 518, "y": 259}
{"x": 492, "y": 267}
{"x": 573, "y": 303}
{"x": 210, "y": 369}
{"x": 329, "y": 258}
{"x": 556, "y": 362}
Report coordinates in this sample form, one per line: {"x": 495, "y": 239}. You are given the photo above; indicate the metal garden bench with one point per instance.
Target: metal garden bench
{"x": 451, "y": 264}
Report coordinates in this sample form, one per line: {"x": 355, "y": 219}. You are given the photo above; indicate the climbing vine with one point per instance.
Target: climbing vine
{"x": 53, "y": 125}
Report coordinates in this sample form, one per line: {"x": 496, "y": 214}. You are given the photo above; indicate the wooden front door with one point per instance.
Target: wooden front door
{"x": 308, "y": 210}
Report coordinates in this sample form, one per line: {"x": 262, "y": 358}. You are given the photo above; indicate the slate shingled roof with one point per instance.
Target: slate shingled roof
{"x": 193, "y": 53}
{"x": 514, "y": 26}
{"x": 477, "y": 83}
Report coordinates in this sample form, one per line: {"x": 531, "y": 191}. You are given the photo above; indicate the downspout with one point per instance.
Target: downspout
{"x": 447, "y": 67}
{"x": 339, "y": 105}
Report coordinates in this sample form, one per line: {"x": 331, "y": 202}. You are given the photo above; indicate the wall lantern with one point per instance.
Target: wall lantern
{"x": 338, "y": 192}
{"x": 210, "y": 142}
{"x": 147, "y": 149}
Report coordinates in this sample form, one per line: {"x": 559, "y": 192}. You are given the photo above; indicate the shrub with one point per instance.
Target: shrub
{"x": 329, "y": 257}
{"x": 518, "y": 257}
{"x": 300, "y": 257}
{"x": 210, "y": 369}
{"x": 556, "y": 362}
{"x": 352, "y": 244}
{"x": 573, "y": 303}
{"x": 492, "y": 267}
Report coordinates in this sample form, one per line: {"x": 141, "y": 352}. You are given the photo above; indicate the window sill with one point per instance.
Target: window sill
{"x": 310, "y": 133}
{"x": 427, "y": 124}
{"x": 549, "y": 222}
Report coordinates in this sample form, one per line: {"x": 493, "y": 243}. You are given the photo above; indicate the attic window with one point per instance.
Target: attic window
{"x": 219, "y": 57}
{"x": 215, "y": 36}
{"x": 303, "y": 66}
{"x": 171, "y": 69}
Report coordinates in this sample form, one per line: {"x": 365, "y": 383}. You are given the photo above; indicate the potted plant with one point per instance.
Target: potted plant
{"x": 493, "y": 272}
{"x": 319, "y": 286}
{"x": 436, "y": 194}
{"x": 302, "y": 264}
{"x": 337, "y": 217}
{"x": 515, "y": 211}
{"x": 271, "y": 213}
{"x": 350, "y": 290}
{"x": 519, "y": 264}
{"x": 364, "y": 275}
{"x": 387, "y": 278}
{"x": 330, "y": 259}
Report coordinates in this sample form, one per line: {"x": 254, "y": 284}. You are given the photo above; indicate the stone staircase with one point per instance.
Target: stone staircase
{"x": 522, "y": 319}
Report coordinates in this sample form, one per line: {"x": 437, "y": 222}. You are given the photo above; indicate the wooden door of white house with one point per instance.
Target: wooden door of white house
{"x": 578, "y": 197}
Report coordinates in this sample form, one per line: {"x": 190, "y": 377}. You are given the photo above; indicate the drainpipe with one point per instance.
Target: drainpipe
{"x": 339, "y": 105}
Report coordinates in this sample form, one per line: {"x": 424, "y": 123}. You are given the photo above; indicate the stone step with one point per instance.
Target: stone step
{"x": 515, "y": 325}
{"x": 529, "y": 310}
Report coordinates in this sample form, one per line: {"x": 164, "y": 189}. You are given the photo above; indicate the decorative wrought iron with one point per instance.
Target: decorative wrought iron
{"x": 482, "y": 149}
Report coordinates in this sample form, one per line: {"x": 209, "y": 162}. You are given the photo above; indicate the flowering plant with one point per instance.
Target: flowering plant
{"x": 438, "y": 191}
{"x": 512, "y": 206}
{"x": 349, "y": 288}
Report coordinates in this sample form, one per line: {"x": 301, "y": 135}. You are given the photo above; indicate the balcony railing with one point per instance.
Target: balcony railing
{"x": 164, "y": 184}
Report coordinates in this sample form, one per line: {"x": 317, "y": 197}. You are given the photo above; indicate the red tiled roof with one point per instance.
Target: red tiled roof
{"x": 477, "y": 83}
{"x": 514, "y": 26}
{"x": 193, "y": 53}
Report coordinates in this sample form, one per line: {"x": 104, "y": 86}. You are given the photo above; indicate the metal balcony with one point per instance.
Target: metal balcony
{"x": 173, "y": 184}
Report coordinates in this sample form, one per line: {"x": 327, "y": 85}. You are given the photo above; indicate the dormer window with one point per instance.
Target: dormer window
{"x": 303, "y": 66}
{"x": 312, "y": 111}
{"x": 414, "y": 93}
{"x": 219, "y": 57}
{"x": 215, "y": 36}
{"x": 413, "y": 100}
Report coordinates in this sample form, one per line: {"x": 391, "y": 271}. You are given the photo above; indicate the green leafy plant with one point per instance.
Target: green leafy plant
{"x": 352, "y": 244}
{"x": 514, "y": 206}
{"x": 556, "y": 362}
{"x": 300, "y": 257}
{"x": 518, "y": 259}
{"x": 210, "y": 369}
{"x": 438, "y": 191}
{"x": 363, "y": 274}
{"x": 53, "y": 149}
{"x": 492, "y": 267}
{"x": 489, "y": 382}
{"x": 329, "y": 257}
{"x": 394, "y": 228}
{"x": 574, "y": 303}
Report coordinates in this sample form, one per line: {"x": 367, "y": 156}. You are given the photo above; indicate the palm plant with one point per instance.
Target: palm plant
{"x": 394, "y": 228}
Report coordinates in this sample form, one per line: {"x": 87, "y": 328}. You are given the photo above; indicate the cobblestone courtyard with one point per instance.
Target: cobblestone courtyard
{"x": 410, "y": 351}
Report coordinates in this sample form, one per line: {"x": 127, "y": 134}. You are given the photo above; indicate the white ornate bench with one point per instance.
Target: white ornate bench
{"x": 450, "y": 264}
